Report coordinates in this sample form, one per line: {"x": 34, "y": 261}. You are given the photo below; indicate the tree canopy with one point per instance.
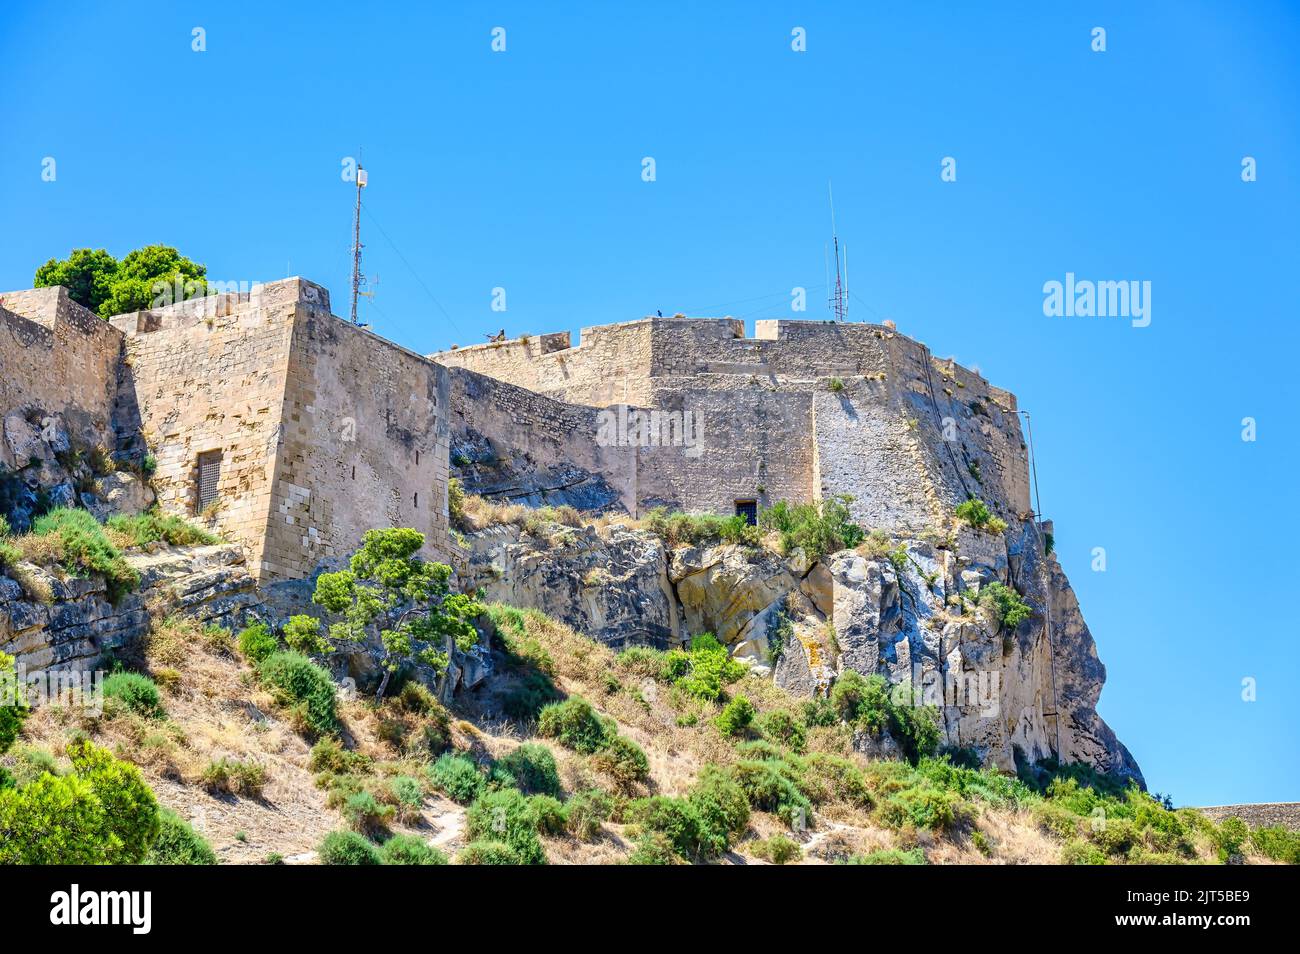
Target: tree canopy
{"x": 108, "y": 287}
{"x": 389, "y": 592}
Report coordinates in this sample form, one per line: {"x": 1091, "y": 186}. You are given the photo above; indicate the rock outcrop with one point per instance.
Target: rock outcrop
{"x": 79, "y": 625}
{"x": 912, "y": 614}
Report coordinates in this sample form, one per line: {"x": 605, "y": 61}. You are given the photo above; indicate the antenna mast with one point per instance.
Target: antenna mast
{"x": 357, "y": 280}
{"x": 839, "y": 300}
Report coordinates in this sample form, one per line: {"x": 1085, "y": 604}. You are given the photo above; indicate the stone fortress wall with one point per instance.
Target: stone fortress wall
{"x": 57, "y": 359}
{"x": 322, "y": 430}
{"x": 801, "y": 411}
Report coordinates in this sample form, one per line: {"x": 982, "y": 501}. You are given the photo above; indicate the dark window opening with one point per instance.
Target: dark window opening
{"x": 209, "y": 479}
{"x": 354, "y": 471}
{"x": 417, "y": 500}
{"x": 749, "y": 510}
{"x": 417, "y": 458}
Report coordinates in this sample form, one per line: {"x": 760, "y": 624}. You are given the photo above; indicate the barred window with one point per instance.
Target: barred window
{"x": 209, "y": 478}
{"x": 749, "y": 510}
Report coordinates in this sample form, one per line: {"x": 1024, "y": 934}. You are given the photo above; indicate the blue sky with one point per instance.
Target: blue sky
{"x": 522, "y": 170}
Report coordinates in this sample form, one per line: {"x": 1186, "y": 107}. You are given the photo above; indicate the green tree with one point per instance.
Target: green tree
{"x": 86, "y": 273}
{"x": 148, "y": 273}
{"x": 108, "y": 287}
{"x": 396, "y": 604}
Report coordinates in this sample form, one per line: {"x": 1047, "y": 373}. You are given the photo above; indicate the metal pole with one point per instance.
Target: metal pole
{"x": 356, "y": 246}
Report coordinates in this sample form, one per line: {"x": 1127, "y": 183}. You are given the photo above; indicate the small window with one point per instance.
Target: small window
{"x": 749, "y": 510}
{"x": 417, "y": 458}
{"x": 209, "y": 478}
{"x": 417, "y": 500}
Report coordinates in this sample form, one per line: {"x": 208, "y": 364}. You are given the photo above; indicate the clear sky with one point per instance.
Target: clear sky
{"x": 522, "y": 170}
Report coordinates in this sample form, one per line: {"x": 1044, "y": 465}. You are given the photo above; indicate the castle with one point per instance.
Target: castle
{"x": 292, "y": 431}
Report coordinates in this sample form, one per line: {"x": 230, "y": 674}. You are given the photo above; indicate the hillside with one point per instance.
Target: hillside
{"x": 685, "y": 755}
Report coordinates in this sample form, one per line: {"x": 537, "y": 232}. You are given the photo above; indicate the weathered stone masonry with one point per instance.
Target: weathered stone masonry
{"x": 319, "y": 430}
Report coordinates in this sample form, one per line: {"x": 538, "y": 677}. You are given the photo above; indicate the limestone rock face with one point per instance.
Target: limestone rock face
{"x": 915, "y": 620}
{"x": 120, "y": 492}
{"x": 210, "y": 584}
{"x": 611, "y": 585}
{"x": 722, "y": 589}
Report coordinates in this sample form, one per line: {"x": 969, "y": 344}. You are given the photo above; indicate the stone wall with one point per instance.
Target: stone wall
{"x": 364, "y": 445}
{"x": 324, "y": 430}
{"x": 199, "y": 380}
{"x": 801, "y": 411}
{"x": 57, "y": 360}
{"x": 610, "y": 364}
{"x": 511, "y": 444}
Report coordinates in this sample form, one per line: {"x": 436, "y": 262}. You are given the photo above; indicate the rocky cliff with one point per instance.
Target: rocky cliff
{"x": 78, "y": 624}
{"x": 909, "y": 610}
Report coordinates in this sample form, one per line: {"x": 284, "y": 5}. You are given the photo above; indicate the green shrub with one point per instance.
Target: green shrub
{"x": 654, "y": 848}
{"x": 818, "y": 713}
{"x": 364, "y": 813}
{"x": 1077, "y": 852}
{"x": 457, "y": 777}
{"x": 1003, "y": 604}
{"x": 302, "y": 633}
{"x": 1277, "y": 843}
{"x": 256, "y": 642}
{"x": 138, "y": 693}
{"x": 704, "y": 669}
{"x": 575, "y": 724}
{"x": 504, "y": 815}
{"x": 770, "y": 786}
{"x": 889, "y": 856}
{"x": 348, "y": 848}
{"x": 178, "y": 843}
{"x": 85, "y": 549}
{"x": 924, "y": 807}
{"x": 488, "y": 853}
{"x": 11, "y": 716}
{"x": 410, "y": 850}
{"x": 586, "y": 811}
{"x": 549, "y": 816}
{"x": 1231, "y": 837}
{"x": 328, "y": 755}
{"x": 781, "y": 727}
{"x": 623, "y": 760}
{"x": 235, "y": 776}
{"x": 692, "y": 529}
{"x": 818, "y": 530}
{"x": 674, "y": 818}
{"x": 299, "y": 682}
{"x": 100, "y": 813}
{"x": 154, "y": 526}
{"x": 721, "y": 809}
{"x": 736, "y": 717}
{"x": 976, "y": 513}
{"x": 407, "y": 791}
{"x": 533, "y": 767}
{"x": 827, "y": 778}
{"x": 868, "y": 703}
{"x": 778, "y": 849}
